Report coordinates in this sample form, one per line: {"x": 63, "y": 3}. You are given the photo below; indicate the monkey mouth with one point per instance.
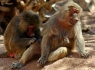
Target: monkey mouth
{"x": 73, "y": 21}
{"x": 70, "y": 24}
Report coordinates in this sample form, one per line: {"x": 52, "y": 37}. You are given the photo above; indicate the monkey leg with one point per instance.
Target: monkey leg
{"x": 19, "y": 47}
{"x": 27, "y": 55}
{"x": 19, "y": 52}
{"x": 58, "y": 54}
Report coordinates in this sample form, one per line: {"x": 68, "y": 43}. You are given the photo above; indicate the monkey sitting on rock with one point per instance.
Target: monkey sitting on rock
{"x": 22, "y": 36}
{"x": 62, "y": 33}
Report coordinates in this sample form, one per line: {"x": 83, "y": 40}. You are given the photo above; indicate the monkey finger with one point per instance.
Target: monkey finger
{"x": 41, "y": 62}
{"x": 86, "y": 54}
{"x": 33, "y": 39}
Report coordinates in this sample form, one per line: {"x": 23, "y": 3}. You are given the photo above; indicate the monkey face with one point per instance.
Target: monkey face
{"x": 73, "y": 12}
{"x": 30, "y": 31}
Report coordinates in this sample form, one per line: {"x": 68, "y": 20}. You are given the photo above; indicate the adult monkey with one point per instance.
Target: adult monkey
{"x": 61, "y": 33}
{"x": 22, "y": 37}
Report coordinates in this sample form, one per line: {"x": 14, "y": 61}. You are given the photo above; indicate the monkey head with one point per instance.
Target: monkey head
{"x": 30, "y": 31}
{"x": 74, "y": 15}
{"x": 33, "y": 21}
{"x": 72, "y": 12}
{"x": 69, "y": 16}
{"x": 31, "y": 18}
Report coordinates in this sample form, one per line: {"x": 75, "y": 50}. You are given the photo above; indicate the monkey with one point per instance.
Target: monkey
{"x": 18, "y": 40}
{"x": 29, "y": 31}
{"x": 61, "y": 34}
{"x": 19, "y": 29}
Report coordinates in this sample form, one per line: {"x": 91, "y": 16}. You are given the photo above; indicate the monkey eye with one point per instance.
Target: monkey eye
{"x": 75, "y": 10}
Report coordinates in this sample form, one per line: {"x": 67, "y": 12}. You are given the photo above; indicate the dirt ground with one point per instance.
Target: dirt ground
{"x": 71, "y": 62}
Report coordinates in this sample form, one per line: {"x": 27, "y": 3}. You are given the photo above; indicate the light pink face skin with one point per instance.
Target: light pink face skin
{"x": 73, "y": 15}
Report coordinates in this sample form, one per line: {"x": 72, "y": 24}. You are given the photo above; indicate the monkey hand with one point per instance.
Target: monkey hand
{"x": 41, "y": 62}
{"x": 40, "y": 39}
{"x": 33, "y": 39}
{"x": 84, "y": 54}
{"x": 17, "y": 65}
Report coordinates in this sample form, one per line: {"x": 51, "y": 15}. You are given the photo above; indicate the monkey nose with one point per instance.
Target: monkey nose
{"x": 76, "y": 19}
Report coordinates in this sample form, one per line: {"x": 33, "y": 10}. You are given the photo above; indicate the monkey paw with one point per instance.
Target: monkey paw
{"x": 16, "y": 65}
{"x": 85, "y": 54}
{"x": 41, "y": 62}
{"x": 33, "y": 39}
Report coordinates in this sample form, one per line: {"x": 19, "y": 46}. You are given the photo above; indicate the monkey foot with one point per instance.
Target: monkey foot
{"x": 41, "y": 62}
{"x": 85, "y": 54}
{"x": 16, "y": 65}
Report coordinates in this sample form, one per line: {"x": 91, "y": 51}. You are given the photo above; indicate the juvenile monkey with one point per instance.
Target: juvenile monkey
{"x": 65, "y": 24}
{"x": 21, "y": 37}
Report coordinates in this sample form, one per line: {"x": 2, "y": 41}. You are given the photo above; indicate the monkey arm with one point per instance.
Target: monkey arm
{"x": 45, "y": 50}
{"x": 80, "y": 40}
{"x": 45, "y": 46}
{"x": 79, "y": 37}
{"x": 38, "y": 34}
{"x": 24, "y": 41}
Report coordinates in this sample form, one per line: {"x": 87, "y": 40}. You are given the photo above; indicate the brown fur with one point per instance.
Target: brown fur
{"x": 63, "y": 30}
{"x": 18, "y": 42}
